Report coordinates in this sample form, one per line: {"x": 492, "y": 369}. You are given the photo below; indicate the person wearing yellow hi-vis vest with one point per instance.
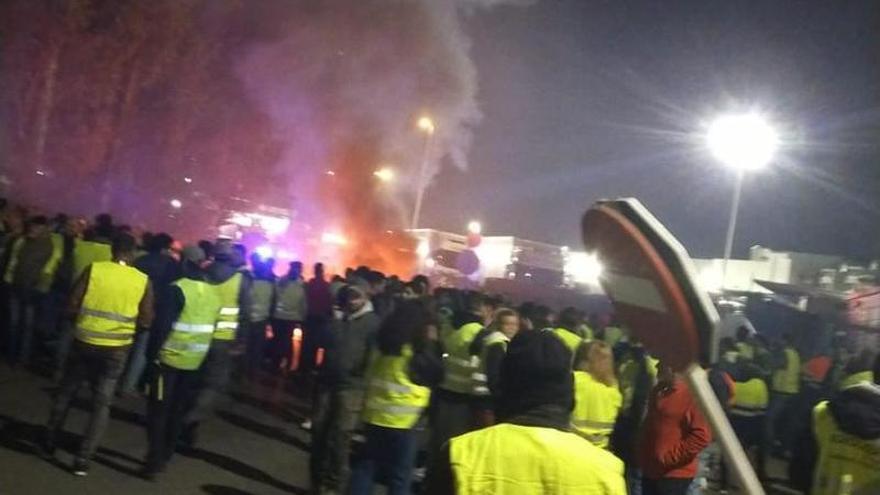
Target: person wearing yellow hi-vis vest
{"x": 532, "y": 451}
{"x": 749, "y": 409}
{"x": 597, "y": 397}
{"x": 110, "y": 302}
{"x": 25, "y": 275}
{"x": 785, "y": 385}
{"x": 491, "y": 346}
{"x": 233, "y": 286}
{"x": 840, "y": 452}
{"x": 174, "y": 375}
{"x": 452, "y": 411}
{"x": 404, "y": 366}
{"x": 570, "y": 330}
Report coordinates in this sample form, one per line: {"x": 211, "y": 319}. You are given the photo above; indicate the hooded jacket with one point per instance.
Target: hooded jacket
{"x": 856, "y": 410}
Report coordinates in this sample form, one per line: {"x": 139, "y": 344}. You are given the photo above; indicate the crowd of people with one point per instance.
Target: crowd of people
{"x": 483, "y": 395}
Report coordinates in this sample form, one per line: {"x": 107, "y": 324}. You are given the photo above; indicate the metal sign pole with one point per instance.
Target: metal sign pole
{"x": 734, "y": 455}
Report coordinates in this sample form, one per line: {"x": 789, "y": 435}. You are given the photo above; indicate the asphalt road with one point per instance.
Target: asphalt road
{"x": 252, "y": 446}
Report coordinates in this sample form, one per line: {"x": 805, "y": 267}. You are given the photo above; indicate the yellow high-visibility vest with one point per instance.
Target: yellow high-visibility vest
{"x": 788, "y": 380}
{"x": 751, "y": 398}
{"x": 227, "y": 320}
{"x": 571, "y": 340}
{"x": 87, "y": 252}
{"x": 480, "y": 379}
{"x": 855, "y": 379}
{"x": 392, "y": 399}
{"x": 596, "y": 406}
{"x": 108, "y": 316}
{"x": 47, "y": 277}
{"x": 458, "y": 362}
{"x": 745, "y": 350}
{"x": 528, "y": 460}
{"x": 13, "y": 260}
{"x": 187, "y": 345}
{"x": 843, "y": 459}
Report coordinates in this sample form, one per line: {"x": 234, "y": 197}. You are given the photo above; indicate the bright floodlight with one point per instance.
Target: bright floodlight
{"x": 744, "y": 142}
{"x": 475, "y": 227}
{"x": 385, "y": 174}
{"x": 584, "y": 268}
{"x": 423, "y": 249}
{"x": 426, "y": 124}
{"x": 176, "y": 204}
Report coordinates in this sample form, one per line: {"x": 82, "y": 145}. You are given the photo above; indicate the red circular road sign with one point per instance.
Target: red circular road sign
{"x": 648, "y": 279}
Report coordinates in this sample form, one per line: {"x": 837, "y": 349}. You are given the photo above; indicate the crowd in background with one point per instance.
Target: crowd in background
{"x": 396, "y": 369}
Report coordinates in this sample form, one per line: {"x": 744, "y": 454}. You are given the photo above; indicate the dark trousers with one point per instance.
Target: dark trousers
{"x": 390, "y": 450}
{"x": 315, "y": 333}
{"x": 256, "y": 347}
{"x": 24, "y": 306}
{"x": 666, "y": 486}
{"x": 101, "y": 367}
{"x": 171, "y": 397}
{"x": 336, "y": 415}
{"x": 281, "y": 345}
{"x": 213, "y": 378}
{"x": 777, "y": 426}
{"x": 448, "y": 418}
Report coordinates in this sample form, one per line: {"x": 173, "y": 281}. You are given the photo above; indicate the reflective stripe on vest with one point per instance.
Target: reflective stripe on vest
{"x": 842, "y": 456}
{"x": 190, "y": 339}
{"x": 479, "y": 378}
{"x": 227, "y": 323}
{"x": 460, "y": 365}
{"x": 393, "y": 400}
{"x": 751, "y": 398}
{"x": 13, "y": 260}
{"x": 856, "y": 379}
{"x": 596, "y": 406}
{"x": 787, "y": 379}
{"x": 110, "y": 305}
{"x": 524, "y": 460}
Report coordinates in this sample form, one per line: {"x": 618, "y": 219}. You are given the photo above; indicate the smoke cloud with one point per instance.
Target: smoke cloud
{"x": 344, "y": 84}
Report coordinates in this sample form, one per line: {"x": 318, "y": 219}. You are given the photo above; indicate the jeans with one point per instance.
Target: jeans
{"x": 391, "y": 450}
{"x": 171, "y": 395}
{"x": 633, "y": 480}
{"x": 101, "y": 366}
{"x": 65, "y": 340}
{"x": 337, "y": 414}
{"x": 137, "y": 362}
{"x": 779, "y": 405}
{"x": 23, "y": 306}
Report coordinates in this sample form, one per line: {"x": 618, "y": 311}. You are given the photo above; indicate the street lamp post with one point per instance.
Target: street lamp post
{"x": 743, "y": 142}
{"x": 427, "y": 125}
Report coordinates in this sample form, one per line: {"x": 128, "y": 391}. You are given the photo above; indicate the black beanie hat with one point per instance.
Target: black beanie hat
{"x": 535, "y": 372}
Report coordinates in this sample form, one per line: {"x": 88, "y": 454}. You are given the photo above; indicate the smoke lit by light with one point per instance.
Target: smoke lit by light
{"x": 333, "y": 238}
{"x": 264, "y": 251}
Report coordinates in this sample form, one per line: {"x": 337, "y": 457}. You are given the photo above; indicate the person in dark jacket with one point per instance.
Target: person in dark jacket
{"x": 25, "y": 273}
{"x": 162, "y": 270}
{"x": 341, "y": 389}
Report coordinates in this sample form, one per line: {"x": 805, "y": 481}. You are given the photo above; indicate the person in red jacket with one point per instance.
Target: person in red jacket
{"x": 673, "y": 434}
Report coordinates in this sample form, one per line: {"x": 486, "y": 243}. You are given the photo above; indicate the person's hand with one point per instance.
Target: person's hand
{"x": 432, "y": 333}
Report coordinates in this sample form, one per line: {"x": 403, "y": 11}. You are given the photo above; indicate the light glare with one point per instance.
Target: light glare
{"x": 744, "y": 142}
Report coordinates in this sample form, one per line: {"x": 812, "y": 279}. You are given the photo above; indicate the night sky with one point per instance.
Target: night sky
{"x": 585, "y": 100}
